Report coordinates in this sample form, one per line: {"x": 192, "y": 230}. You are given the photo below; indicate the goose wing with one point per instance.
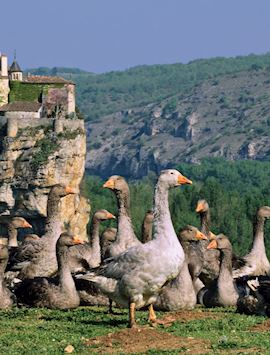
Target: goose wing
{"x": 24, "y": 254}
{"x": 127, "y": 261}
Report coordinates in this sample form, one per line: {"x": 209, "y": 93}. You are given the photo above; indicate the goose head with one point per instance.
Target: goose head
{"x": 109, "y": 234}
{"x": 61, "y": 190}
{"x": 15, "y": 222}
{"x": 202, "y": 206}
{"x": 116, "y": 183}
{"x": 264, "y": 212}
{"x": 103, "y": 215}
{"x": 191, "y": 233}
{"x": 172, "y": 178}
{"x": 20, "y": 222}
{"x": 67, "y": 240}
{"x": 221, "y": 242}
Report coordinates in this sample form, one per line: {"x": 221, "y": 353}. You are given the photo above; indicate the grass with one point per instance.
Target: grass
{"x": 43, "y": 331}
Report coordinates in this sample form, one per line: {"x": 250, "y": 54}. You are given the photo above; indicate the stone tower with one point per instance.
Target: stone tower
{"x": 4, "y": 80}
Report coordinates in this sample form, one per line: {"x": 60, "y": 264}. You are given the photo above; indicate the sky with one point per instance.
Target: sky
{"x": 106, "y": 35}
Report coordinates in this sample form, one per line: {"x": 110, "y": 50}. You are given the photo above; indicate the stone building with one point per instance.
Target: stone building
{"x": 55, "y": 95}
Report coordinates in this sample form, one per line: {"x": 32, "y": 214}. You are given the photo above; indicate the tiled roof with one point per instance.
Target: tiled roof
{"x": 23, "y": 106}
{"x": 41, "y": 79}
{"x": 15, "y": 67}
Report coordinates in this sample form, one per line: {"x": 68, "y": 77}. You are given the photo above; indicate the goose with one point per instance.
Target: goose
{"x": 223, "y": 291}
{"x": 30, "y": 237}
{"x": 211, "y": 264}
{"x": 255, "y": 263}
{"x": 108, "y": 236}
{"x": 180, "y": 293}
{"x": 44, "y": 292}
{"x": 88, "y": 255}
{"x": 38, "y": 257}
{"x": 125, "y": 237}
{"x": 257, "y": 301}
{"x": 147, "y": 226}
{"x": 189, "y": 237}
{"x": 6, "y": 300}
{"x": 13, "y": 223}
{"x": 135, "y": 277}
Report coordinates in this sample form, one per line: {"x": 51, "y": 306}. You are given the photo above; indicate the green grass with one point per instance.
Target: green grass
{"x": 42, "y": 331}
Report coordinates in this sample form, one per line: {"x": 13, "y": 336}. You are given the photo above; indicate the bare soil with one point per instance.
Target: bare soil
{"x": 187, "y": 316}
{"x": 145, "y": 338}
{"x": 263, "y": 327}
{"x": 142, "y": 339}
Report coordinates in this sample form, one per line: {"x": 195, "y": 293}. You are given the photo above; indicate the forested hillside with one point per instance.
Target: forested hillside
{"x": 148, "y": 118}
{"x": 234, "y": 191}
{"x": 98, "y": 95}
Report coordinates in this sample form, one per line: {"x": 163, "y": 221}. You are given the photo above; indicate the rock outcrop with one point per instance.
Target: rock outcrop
{"x": 228, "y": 117}
{"x": 35, "y": 155}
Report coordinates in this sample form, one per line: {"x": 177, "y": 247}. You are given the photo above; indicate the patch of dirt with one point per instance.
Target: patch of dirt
{"x": 142, "y": 339}
{"x": 187, "y": 316}
{"x": 262, "y": 327}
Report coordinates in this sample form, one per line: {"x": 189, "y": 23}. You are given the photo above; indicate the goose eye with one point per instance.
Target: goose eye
{"x": 171, "y": 173}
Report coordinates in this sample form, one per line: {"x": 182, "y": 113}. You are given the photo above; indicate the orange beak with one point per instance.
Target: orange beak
{"x": 110, "y": 216}
{"x": 70, "y": 190}
{"x": 109, "y": 184}
{"x": 212, "y": 245}
{"x": 77, "y": 240}
{"x": 201, "y": 236}
{"x": 199, "y": 207}
{"x": 182, "y": 180}
{"x": 26, "y": 225}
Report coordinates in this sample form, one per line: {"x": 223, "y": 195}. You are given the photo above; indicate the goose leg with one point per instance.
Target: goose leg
{"x": 132, "y": 320}
{"x": 152, "y": 316}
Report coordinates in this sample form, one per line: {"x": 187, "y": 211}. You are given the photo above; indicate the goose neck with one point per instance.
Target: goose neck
{"x": 205, "y": 222}
{"x": 66, "y": 281}
{"x": 162, "y": 218}
{"x": 53, "y": 205}
{"x": 95, "y": 243}
{"x": 147, "y": 230}
{"x": 258, "y": 239}
{"x": 226, "y": 261}
{"x": 123, "y": 202}
{"x": 3, "y": 264}
{"x": 12, "y": 236}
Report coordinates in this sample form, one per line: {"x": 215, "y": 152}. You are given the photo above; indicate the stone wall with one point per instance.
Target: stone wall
{"x": 4, "y": 90}
{"x": 22, "y": 115}
{"x": 34, "y": 157}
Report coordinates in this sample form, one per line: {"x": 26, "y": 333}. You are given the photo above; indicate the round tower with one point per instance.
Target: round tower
{"x": 15, "y": 72}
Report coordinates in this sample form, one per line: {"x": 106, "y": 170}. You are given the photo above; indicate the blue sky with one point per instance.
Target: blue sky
{"x": 105, "y": 35}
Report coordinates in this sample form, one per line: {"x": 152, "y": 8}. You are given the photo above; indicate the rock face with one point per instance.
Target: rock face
{"x": 35, "y": 155}
{"x": 228, "y": 117}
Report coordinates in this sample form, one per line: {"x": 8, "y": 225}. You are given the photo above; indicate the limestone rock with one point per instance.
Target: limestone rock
{"x": 36, "y": 159}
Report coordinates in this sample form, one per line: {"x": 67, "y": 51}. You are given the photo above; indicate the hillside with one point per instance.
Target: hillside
{"x": 228, "y": 116}
{"x": 102, "y": 94}
{"x": 151, "y": 117}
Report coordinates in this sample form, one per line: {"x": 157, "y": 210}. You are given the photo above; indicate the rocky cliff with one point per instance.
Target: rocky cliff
{"x": 228, "y": 117}
{"x": 35, "y": 155}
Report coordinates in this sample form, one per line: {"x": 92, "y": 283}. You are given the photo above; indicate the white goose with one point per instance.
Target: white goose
{"x": 135, "y": 277}
{"x": 256, "y": 263}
